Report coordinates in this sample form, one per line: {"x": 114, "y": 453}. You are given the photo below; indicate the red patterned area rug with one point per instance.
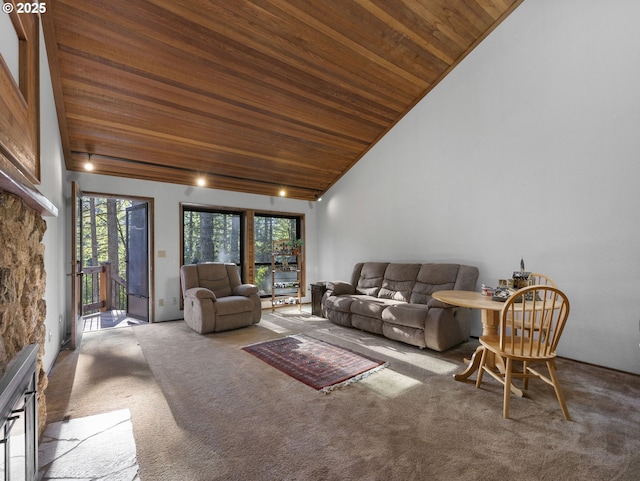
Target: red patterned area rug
{"x": 316, "y": 363}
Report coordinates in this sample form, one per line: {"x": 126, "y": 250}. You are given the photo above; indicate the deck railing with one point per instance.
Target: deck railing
{"x": 101, "y": 291}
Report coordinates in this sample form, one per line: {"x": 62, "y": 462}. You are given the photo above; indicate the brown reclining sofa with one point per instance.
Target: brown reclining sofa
{"x": 394, "y": 300}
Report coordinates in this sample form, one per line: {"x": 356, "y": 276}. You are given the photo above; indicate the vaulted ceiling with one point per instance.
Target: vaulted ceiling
{"x": 253, "y": 95}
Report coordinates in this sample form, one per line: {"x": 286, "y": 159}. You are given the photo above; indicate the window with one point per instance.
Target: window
{"x": 212, "y": 235}
{"x": 244, "y": 237}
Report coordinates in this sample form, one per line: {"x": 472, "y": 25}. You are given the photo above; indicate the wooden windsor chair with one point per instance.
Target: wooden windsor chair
{"x": 519, "y": 339}
{"x": 536, "y": 278}
{"x": 541, "y": 280}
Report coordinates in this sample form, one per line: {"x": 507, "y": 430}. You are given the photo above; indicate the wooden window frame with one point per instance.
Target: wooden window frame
{"x": 248, "y": 239}
{"x": 20, "y": 106}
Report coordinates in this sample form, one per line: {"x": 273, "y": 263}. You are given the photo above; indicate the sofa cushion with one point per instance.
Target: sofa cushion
{"x": 410, "y": 335}
{"x": 370, "y": 306}
{"x": 215, "y": 278}
{"x": 466, "y": 278}
{"x": 367, "y": 324}
{"x": 340, "y": 318}
{"x": 398, "y": 281}
{"x": 370, "y": 279}
{"x": 432, "y": 278}
{"x": 339, "y": 303}
{"x": 409, "y": 315}
{"x": 340, "y": 288}
{"x": 233, "y": 305}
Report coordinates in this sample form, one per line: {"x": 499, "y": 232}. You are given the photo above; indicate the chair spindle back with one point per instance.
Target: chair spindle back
{"x": 532, "y": 321}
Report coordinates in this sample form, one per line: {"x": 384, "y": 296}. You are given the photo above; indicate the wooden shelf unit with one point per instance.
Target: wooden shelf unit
{"x": 286, "y": 278}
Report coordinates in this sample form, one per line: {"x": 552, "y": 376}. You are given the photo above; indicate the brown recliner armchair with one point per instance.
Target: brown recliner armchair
{"x": 216, "y": 300}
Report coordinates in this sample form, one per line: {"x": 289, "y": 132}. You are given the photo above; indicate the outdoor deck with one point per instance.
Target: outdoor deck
{"x": 109, "y": 319}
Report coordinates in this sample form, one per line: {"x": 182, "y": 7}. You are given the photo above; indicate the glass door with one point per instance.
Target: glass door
{"x": 77, "y": 321}
{"x": 137, "y": 262}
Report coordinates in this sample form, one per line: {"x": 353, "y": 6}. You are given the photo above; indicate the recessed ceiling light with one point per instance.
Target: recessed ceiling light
{"x": 88, "y": 165}
{"x": 283, "y": 193}
{"x": 201, "y": 182}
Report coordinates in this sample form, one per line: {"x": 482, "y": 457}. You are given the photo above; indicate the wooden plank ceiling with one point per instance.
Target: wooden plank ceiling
{"x": 254, "y": 95}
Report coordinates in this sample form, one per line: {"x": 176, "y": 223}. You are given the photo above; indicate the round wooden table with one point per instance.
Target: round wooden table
{"x": 490, "y": 316}
{"x": 490, "y": 309}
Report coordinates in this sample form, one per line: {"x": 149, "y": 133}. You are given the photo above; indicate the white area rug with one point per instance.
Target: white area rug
{"x": 94, "y": 448}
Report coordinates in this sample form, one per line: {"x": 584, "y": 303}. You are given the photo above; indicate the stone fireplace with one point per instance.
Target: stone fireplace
{"x": 22, "y": 287}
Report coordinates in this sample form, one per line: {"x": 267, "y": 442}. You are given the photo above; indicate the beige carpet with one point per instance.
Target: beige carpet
{"x": 203, "y": 409}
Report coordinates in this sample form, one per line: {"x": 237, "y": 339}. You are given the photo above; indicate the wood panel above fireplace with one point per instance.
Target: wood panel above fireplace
{"x": 20, "y": 118}
{"x": 20, "y": 102}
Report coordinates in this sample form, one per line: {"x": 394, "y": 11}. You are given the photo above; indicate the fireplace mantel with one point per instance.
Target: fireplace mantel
{"x": 12, "y": 180}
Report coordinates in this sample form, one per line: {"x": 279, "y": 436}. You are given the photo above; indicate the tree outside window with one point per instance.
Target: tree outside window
{"x": 269, "y": 228}
{"x": 211, "y": 236}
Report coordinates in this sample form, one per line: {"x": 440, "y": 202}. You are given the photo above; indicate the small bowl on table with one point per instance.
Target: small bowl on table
{"x": 487, "y": 291}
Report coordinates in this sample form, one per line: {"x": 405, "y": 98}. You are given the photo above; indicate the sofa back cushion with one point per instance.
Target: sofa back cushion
{"x": 214, "y": 276}
{"x": 234, "y": 275}
{"x": 398, "y": 281}
{"x": 367, "y": 277}
{"x": 432, "y": 278}
{"x": 467, "y": 278}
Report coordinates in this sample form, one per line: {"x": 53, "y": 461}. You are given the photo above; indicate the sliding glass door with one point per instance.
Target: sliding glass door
{"x": 268, "y": 228}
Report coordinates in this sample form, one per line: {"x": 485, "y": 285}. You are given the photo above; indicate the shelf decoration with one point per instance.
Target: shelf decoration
{"x": 286, "y": 273}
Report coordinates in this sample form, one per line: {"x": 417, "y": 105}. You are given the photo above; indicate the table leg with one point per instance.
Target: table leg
{"x": 490, "y": 321}
{"x": 490, "y": 324}
{"x": 474, "y": 365}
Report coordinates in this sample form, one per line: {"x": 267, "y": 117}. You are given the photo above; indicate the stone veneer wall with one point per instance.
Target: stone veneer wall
{"x": 22, "y": 287}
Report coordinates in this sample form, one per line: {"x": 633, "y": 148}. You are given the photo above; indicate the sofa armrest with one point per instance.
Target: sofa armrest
{"x": 338, "y": 288}
{"x": 245, "y": 290}
{"x": 443, "y": 329}
{"x": 199, "y": 293}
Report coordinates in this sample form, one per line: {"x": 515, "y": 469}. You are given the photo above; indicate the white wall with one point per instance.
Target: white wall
{"x": 52, "y": 174}
{"x": 167, "y": 198}
{"x": 527, "y": 149}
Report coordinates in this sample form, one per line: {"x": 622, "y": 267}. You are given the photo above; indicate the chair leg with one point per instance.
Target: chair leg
{"x": 483, "y": 359}
{"x": 551, "y": 365}
{"x": 507, "y": 388}
{"x": 526, "y": 379}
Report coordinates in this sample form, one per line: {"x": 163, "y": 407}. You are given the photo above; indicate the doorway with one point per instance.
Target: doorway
{"x": 113, "y": 246}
